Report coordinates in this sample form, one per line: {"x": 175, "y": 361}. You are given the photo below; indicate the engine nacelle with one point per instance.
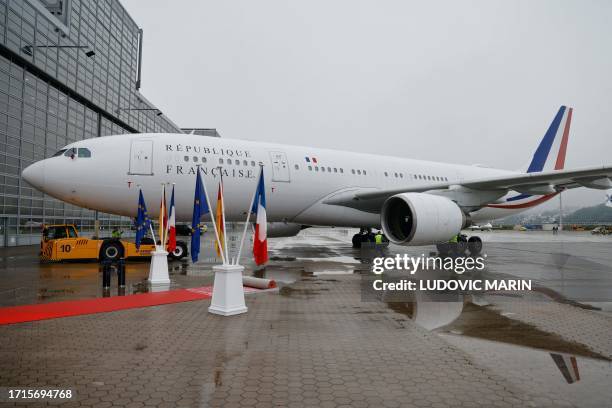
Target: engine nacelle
{"x": 420, "y": 219}
{"x": 283, "y": 229}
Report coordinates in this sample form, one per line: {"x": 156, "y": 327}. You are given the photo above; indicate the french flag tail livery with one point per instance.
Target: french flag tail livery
{"x": 550, "y": 155}
{"x": 555, "y": 142}
{"x": 260, "y": 240}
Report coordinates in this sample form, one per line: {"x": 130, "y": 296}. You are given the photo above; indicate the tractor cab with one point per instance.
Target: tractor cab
{"x": 51, "y": 232}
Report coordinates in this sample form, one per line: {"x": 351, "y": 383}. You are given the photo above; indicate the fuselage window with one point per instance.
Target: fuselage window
{"x": 341, "y": 170}
{"x": 335, "y": 169}
{"x": 195, "y": 159}
{"x": 359, "y": 172}
{"x": 323, "y": 168}
{"x": 237, "y": 162}
{"x": 401, "y": 175}
{"x": 203, "y": 159}
{"x": 59, "y": 153}
{"x": 329, "y": 169}
{"x": 297, "y": 167}
{"x": 253, "y": 163}
{"x": 310, "y": 168}
{"x": 316, "y": 168}
{"x": 84, "y": 152}
{"x": 364, "y": 172}
{"x": 245, "y": 163}
{"x": 220, "y": 161}
{"x": 386, "y": 174}
{"x": 395, "y": 175}
{"x": 353, "y": 171}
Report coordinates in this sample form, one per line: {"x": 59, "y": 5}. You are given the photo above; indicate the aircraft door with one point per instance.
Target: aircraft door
{"x": 280, "y": 167}
{"x": 141, "y": 157}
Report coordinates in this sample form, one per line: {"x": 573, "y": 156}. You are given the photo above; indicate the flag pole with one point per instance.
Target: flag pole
{"x": 153, "y": 234}
{"x": 223, "y": 215}
{"x": 246, "y": 223}
{"x": 212, "y": 218}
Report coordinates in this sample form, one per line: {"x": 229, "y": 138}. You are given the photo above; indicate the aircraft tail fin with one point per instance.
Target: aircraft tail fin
{"x": 554, "y": 141}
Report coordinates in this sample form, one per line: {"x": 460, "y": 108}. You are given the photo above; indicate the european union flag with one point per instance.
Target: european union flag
{"x": 200, "y": 208}
{"x": 142, "y": 220}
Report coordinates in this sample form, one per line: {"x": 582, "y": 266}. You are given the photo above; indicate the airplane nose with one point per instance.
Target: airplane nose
{"x": 34, "y": 174}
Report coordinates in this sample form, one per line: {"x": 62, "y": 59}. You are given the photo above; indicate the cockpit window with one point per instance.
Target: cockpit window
{"x": 84, "y": 152}
{"x": 59, "y": 153}
{"x": 70, "y": 152}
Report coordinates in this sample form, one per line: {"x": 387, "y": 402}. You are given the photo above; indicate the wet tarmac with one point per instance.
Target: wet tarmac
{"x": 318, "y": 341}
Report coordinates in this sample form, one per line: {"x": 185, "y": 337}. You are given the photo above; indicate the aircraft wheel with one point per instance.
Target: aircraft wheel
{"x": 180, "y": 251}
{"x": 475, "y": 245}
{"x": 357, "y": 240}
{"x": 111, "y": 251}
{"x": 460, "y": 246}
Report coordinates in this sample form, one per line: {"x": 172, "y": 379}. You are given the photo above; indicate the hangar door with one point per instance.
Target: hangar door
{"x": 141, "y": 157}
{"x": 280, "y": 166}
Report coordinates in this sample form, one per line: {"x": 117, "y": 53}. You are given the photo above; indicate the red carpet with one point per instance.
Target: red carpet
{"x": 43, "y": 311}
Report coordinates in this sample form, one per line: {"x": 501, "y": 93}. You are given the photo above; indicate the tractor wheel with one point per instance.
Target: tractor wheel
{"x": 111, "y": 251}
{"x": 179, "y": 252}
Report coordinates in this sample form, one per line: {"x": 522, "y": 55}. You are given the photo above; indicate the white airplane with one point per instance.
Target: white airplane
{"x": 483, "y": 227}
{"x": 416, "y": 202}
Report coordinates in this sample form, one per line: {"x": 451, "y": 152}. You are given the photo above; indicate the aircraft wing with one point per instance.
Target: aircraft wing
{"x": 532, "y": 183}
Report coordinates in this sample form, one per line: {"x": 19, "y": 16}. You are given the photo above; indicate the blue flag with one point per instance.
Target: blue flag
{"x": 200, "y": 208}
{"x": 142, "y": 220}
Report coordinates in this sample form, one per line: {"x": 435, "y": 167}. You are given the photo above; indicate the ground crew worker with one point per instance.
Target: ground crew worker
{"x": 370, "y": 235}
{"x": 116, "y": 233}
{"x": 378, "y": 238}
{"x": 454, "y": 239}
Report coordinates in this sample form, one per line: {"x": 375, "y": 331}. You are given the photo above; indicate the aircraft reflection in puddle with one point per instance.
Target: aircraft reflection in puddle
{"x": 568, "y": 367}
{"x": 480, "y": 316}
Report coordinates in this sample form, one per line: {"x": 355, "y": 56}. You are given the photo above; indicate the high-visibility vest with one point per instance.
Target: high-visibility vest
{"x": 378, "y": 238}
{"x": 454, "y": 239}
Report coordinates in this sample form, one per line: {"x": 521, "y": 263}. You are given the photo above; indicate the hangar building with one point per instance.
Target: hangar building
{"x": 69, "y": 70}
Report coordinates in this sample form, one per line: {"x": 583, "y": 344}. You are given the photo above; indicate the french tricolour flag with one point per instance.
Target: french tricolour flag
{"x": 260, "y": 240}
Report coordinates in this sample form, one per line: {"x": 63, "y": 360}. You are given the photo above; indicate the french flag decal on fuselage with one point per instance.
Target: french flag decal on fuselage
{"x": 555, "y": 140}
{"x": 260, "y": 239}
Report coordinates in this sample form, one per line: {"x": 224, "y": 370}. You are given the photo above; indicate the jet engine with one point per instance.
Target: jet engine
{"x": 283, "y": 229}
{"x": 421, "y": 219}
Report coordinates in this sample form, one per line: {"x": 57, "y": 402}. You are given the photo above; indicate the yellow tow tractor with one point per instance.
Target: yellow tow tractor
{"x": 62, "y": 242}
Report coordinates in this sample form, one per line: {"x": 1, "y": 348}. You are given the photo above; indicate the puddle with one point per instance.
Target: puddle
{"x": 299, "y": 292}
{"x": 484, "y": 323}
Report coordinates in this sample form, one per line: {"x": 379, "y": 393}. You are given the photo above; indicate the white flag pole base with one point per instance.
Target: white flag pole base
{"x": 158, "y": 272}
{"x": 228, "y": 294}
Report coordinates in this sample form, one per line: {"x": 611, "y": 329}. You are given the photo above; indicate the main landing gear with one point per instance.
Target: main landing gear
{"x": 367, "y": 239}
{"x": 463, "y": 246}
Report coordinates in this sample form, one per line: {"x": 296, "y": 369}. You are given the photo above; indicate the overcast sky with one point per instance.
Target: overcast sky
{"x": 457, "y": 81}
